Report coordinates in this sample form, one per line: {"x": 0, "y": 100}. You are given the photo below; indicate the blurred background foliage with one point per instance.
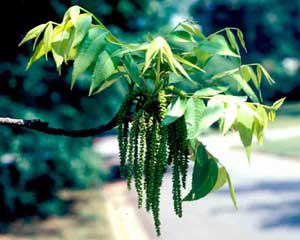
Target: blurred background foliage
{"x": 33, "y": 167}
{"x": 272, "y": 34}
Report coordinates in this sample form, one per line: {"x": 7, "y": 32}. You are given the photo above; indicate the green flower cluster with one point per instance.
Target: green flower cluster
{"x": 149, "y": 147}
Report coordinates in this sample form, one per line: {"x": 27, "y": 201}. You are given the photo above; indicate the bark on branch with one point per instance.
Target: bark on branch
{"x": 40, "y": 126}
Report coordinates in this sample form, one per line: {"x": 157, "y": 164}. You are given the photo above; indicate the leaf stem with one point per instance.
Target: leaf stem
{"x": 157, "y": 80}
{"x": 210, "y": 97}
{"x": 54, "y": 23}
{"x": 222, "y": 30}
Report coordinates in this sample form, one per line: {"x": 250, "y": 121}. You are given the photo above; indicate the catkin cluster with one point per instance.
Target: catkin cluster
{"x": 148, "y": 148}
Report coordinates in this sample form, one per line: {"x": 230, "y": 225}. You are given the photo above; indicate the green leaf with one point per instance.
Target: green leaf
{"x": 251, "y": 110}
{"x": 259, "y": 126}
{"x": 160, "y": 46}
{"x": 205, "y": 175}
{"x": 230, "y": 116}
{"x": 261, "y": 111}
{"x": 186, "y": 62}
{"x": 151, "y": 52}
{"x": 104, "y": 68}
{"x": 131, "y": 49}
{"x": 74, "y": 12}
{"x": 60, "y": 34}
{"x": 182, "y": 37}
{"x": 106, "y": 84}
{"x": 202, "y": 57}
{"x": 33, "y": 33}
{"x": 232, "y": 191}
{"x": 221, "y": 180}
{"x": 223, "y": 173}
{"x": 245, "y": 128}
{"x": 66, "y": 46}
{"x": 61, "y": 41}
{"x": 276, "y": 105}
{"x": 210, "y": 91}
{"x": 217, "y": 46}
{"x": 211, "y": 114}
{"x": 174, "y": 78}
{"x": 272, "y": 115}
{"x": 194, "y": 109}
{"x": 246, "y": 88}
{"x": 253, "y": 77}
{"x": 181, "y": 69}
{"x": 87, "y": 52}
{"x": 168, "y": 56}
{"x": 232, "y": 41}
{"x": 192, "y": 28}
{"x": 258, "y": 74}
{"x": 82, "y": 25}
{"x": 48, "y": 38}
{"x": 175, "y": 110}
{"x": 266, "y": 74}
{"x": 241, "y": 38}
{"x": 247, "y": 74}
{"x": 224, "y": 74}
{"x": 38, "y": 53}
{"x": 132, "y": 69}
{"x": 58, "y": 60}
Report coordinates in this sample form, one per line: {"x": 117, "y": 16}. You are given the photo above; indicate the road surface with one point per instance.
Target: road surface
{"x": 268, "y": 193}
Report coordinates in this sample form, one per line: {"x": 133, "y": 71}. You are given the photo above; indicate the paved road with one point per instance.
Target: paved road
{"x": 268, "y": 195}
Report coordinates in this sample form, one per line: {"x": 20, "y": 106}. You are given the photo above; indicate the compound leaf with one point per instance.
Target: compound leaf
{"x": 87, "y": 52}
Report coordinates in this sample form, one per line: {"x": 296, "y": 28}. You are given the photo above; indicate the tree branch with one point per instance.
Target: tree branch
{"x": 40, "y": 126}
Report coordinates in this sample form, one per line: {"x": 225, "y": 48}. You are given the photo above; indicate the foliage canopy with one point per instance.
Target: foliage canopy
{"x": 179, "y": 85}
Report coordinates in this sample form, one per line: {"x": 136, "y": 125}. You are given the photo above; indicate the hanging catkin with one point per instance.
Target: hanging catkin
{"x": 123, "y": 129}
{"x": 141, "y": 159}
{"x": 149, "y": 123}
{"x": 149, "y": 147}
{"x": 183, "y": 149}
{"x": 153, "y": 147}
{"x": 160, "y": 169}
{"x": 132, "y": 149}
{"x": 176, "y": 184}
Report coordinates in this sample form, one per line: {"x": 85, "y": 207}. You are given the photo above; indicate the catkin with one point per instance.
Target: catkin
{"x": 136, "y": 154}
{"x": 171, "y": 143}
{"x": 141, "y": 159}
{"x": 122, "y": 149}
{"x": 132, "y": 149}
{"x": 176, "y": 186}
{"x": 149, "y": 124}
{"x": 154, "y": 143}
{"x": 123, "y": 129}
{"x": 162, "y": 104}
{"x": 183, "y": 149}
{"x": 160, "y": 169}
{"x": 149, "y": 147}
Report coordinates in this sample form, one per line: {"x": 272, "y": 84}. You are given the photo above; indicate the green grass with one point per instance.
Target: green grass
{"x": 285, "y": 147}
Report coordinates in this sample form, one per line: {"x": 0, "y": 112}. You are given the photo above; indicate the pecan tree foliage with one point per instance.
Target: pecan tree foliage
{"x": 179, "y": 85}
